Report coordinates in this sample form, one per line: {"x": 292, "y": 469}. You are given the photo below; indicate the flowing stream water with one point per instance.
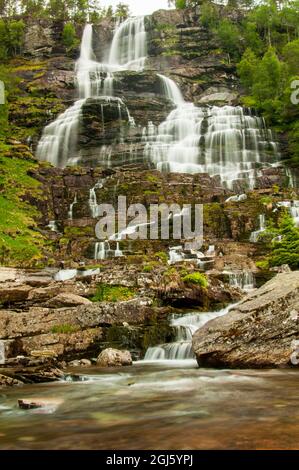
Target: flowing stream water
{"x": 157, "y": 406}
{"x": 162, "y": 402}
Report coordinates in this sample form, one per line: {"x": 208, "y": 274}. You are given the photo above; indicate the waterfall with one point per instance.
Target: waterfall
{"x": 92, "y": 201}
{"x": 94, "y": 80}
{"x": 244, "y": 280}
{"x": 230, "y": 142}
{"x": 101, "y": 250}
{"x": 254, "y": 237}
{"x": 185, "y": 326}
{"x": 171, "y": 90}
{"x": 227, "y": 141}
{"x": 71, "y": 209}
{"x": 129, "y": 48}
{"x": 53, "y": 226}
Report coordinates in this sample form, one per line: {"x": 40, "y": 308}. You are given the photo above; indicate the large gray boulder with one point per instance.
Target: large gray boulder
{"x": 261, "y": 331}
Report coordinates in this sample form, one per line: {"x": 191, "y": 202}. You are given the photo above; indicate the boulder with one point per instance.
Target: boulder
{"x": 67, "y": 300}
{"x": 114, "y": 358}
{"x": 261, "y": 331}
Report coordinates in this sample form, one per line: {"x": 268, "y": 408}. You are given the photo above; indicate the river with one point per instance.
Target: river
{"x": 161, "y": 405}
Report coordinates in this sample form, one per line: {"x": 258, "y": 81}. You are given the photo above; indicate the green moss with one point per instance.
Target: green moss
{"x": 198, "y": 279}
{"x": 77, "y": 232}
{"x": 152, "y": 178}
{"x": 106, "y": 293}
{"x": 20, "y": 242}
{"x": 65, "y": 329}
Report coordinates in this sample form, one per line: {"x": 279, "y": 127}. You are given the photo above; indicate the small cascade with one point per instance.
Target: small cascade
{"x": 244, "y": 280}
{"x": 92, "y": 201}
{"x": 71, "y": 209}
{"x": 101, "y": 250}
{"x": 254, "y": 237}
{"x": 185, "y": 326}
{"x": 178, "y": 254}
{"x": 53, "y": 226}
{"x": 171, "y": 90}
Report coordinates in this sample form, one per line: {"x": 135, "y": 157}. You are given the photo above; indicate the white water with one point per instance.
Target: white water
{"x": 129, "y": 47}
{"x": 71, "y": 209}
{"x": 53, "y": 226}
{"x": 226, "y": 141}
{"x": 254, "y": 237}
{"x": 171, "y": 90}
{"x": 93, "y": 80}
{"x": 103, "y": 250}
{"x": 185, "y": 326}
{"x": 67, "y": 274}
{"x": 244, "y": 280}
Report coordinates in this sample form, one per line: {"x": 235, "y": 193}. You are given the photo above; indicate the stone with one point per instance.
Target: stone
{"x": 261, "y": 331}
{"x": 67, "y": 300}
{"x": 6, "y": 381}
{"x": 80, "y": 363}
{"x": 49, "y": 405}
{"x": 43, "y": 353}
{"x": 11, "y": 292}
{"x": 114, "y": 358}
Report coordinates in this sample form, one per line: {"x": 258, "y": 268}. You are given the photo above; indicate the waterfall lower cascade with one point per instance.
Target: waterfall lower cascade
{"x": 244, "y": 280}
{"x": 94, "y": 80}
{"x": 254, "y": 237}
{"x": 185, "y": 326}
{"x": 177, "y": 254}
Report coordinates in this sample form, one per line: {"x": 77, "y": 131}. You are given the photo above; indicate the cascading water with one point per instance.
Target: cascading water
{"x": 226, "y": 141}
{"x": 129, "y": 48}
{"x": 254, "y": 237}
{"x": 244, "y": 280}
{"x": 185, "y": 326}
{"x": 94, "y": 80}
{"x": 71, "y": 209}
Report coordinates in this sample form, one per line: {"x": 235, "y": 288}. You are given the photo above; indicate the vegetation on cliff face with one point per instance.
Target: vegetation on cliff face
{"x": 283, "y": 243}
{"x": 21, "y": 243}
{"x": 262, "y": 39}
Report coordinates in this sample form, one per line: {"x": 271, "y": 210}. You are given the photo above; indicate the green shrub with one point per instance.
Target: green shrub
{"x": 162, "y": 256}
{"x": 198, "y": 279}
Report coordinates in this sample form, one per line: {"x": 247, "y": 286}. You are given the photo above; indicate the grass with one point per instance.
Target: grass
{"x": 105, "y": 293}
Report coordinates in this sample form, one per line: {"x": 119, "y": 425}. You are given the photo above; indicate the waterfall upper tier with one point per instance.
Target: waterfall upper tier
{"x": 226, "y": 141}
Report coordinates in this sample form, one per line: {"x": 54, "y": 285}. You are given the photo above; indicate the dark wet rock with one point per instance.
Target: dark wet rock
{"x": 114, "y": 358}
{"x": 262, "y": 331}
